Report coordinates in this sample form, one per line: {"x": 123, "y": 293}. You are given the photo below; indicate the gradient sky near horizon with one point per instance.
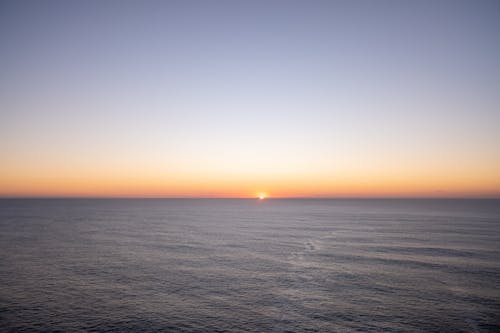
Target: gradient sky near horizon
{"x": 234, "y": 98}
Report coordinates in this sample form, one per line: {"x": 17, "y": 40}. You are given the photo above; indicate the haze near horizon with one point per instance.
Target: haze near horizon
{"x": 235, "y": 99}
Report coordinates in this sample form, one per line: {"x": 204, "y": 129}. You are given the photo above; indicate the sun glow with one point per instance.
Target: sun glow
{"x": 262, "y": 196}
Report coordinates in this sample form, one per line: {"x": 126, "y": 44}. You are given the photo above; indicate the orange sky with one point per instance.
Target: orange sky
{"x": 122, "y": 167}
{"x": 136, "y": 183}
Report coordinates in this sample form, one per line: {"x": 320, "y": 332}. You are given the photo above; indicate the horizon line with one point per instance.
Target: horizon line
{"x": 255, "y": 198}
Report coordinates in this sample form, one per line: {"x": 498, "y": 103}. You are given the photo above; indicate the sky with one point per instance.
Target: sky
{"x": 236, "y": 98}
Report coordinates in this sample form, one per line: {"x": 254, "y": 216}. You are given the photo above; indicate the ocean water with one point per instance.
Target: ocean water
{"x": 215, "y": 265}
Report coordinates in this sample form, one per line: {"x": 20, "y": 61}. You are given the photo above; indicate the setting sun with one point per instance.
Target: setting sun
{"x": 262, "y": 196}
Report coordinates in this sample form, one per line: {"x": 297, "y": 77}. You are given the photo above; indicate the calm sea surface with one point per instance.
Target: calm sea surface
{"x": 220, "y": 265}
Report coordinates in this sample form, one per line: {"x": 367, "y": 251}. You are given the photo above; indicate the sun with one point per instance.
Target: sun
{"x": 262, "y": 196}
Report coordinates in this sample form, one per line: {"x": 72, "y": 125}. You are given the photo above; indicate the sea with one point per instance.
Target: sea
{"x": 248, "y": 265}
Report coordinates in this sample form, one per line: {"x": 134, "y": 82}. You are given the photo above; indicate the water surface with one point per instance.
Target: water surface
{"x": 220, "y": 265}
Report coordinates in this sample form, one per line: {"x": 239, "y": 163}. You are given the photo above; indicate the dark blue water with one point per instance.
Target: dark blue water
{"x": 250, "y": 266}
